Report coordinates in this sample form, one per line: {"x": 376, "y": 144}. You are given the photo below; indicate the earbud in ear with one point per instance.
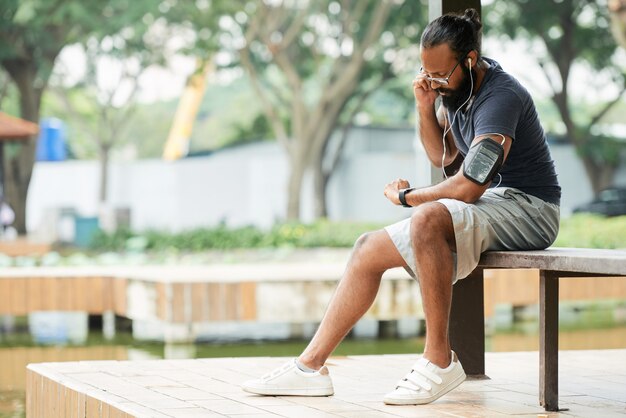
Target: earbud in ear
{"x": 469, "y": 60}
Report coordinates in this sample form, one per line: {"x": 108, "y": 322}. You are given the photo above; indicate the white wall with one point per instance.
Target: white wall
{"x": 247, "y": 185}
{"x": 240, "y": 186}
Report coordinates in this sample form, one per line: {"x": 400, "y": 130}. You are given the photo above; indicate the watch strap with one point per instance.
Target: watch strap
{"x": 402, "y": 196}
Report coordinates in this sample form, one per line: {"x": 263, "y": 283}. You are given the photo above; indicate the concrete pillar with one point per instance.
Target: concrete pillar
{"x": 7, "y": 323}
{"x": 108, "y": 325}
{"x": 178, "y": 333}
{"x": 179, "y": 351}
{"x": 437, "y": 8}
{"x": 388, "y": 329}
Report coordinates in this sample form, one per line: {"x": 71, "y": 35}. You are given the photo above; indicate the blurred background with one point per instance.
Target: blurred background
{"x": 220, "y": 132}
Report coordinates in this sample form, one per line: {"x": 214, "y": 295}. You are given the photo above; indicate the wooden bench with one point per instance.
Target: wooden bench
{"x": 467, "y": 322}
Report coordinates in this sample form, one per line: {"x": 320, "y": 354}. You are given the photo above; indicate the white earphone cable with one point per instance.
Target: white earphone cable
{"x": 447, "y": 129}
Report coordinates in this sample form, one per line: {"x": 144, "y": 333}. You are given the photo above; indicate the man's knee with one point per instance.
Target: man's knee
{"x": 431, "y": 221}
{"x": 363, "y": 242}
{"x": 371, "y": 253}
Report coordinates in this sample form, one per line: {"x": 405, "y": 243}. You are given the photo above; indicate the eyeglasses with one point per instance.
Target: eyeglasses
{"x": 442, "y": 81}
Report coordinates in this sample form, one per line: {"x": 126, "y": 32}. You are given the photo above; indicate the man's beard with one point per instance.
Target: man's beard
{"x": 456, "y": 98}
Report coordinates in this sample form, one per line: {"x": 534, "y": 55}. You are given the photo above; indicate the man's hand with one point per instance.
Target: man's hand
{"x": 392, "y": 190}
{"x": 425, "y": 96}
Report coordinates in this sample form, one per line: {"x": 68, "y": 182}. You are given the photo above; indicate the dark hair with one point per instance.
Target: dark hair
{"x": 462, "y": 32}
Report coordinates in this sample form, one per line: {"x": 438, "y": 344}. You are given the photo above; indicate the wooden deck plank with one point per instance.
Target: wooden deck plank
{"x": 49, "y": 294}
{"x": 19, "y": 301}
{"x": 34, "y": 291}
{"x": 247, "y": 300}
{"x": 178, "y": 303}
{"x": 198, "y": 302}
{"x": 5, "y": 296}
{"x": 211, "y": 386}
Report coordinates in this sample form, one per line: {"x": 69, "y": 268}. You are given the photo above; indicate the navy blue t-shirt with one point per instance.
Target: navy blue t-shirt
{"x": 502, "y": 105}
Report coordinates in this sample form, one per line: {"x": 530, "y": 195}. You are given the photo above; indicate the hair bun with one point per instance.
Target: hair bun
{"x": 474, "y": 18}
{"x": 461, "y": 31}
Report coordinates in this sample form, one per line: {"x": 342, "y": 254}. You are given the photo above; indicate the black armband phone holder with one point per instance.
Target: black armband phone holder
{"x": 483, "y": 161}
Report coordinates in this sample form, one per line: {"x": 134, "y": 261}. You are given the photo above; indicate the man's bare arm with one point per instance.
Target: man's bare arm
{"x": 456, "y": 187}
{"x": 432, "y": 123}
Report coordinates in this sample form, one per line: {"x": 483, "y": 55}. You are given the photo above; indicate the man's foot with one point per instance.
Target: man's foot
{"x": 426, "y": 382}
{"x": 290, "y": 380}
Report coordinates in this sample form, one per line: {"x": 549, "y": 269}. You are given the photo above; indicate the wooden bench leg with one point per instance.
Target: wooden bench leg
{"x": 549, "y": 340}
{"x": 467, "y": 323}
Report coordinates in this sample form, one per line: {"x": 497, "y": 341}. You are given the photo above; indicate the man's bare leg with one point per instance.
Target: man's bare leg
{"x": 433, "y": 242}
{"x": 373, "y": 254}
{"x": 432, "y": 236}
{"x": 436, "y": 373}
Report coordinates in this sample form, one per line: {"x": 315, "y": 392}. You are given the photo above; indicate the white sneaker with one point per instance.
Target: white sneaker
{"x": 426, "y": 383}
{"x": 290, "y": 380}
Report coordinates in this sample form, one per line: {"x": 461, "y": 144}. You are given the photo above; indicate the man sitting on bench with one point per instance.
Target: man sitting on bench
{"x": 504, "y": 197}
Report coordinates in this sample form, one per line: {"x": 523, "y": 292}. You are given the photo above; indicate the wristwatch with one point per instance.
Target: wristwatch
{"x": 402, "y": 196}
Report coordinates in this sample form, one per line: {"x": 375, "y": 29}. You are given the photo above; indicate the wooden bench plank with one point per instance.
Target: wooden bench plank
{"x": 575, "y": 260}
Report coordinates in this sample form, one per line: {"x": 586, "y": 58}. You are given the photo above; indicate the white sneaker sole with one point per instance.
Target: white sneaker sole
{"x": 422, "y": 401}
{"x": 289, "y": 391}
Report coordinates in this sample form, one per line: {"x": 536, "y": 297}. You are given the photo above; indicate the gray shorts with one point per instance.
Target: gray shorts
{"x": 503, "y": 218}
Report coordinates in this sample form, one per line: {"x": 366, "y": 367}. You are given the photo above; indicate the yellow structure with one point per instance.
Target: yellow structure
{"x": 177, "y": 145}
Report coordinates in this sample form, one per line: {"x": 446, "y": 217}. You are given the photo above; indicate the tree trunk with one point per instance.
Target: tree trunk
{"x": 104, "y": 174}
{"x": 19, "y": 166}
{"x": 320, "y": 181}
{"x": 106, "y": 215}
{"x": 311, "y": 126}
{"x": 298, "y": 166}
{"x": 600, "y": 175}
{"x": 320, "y": 134}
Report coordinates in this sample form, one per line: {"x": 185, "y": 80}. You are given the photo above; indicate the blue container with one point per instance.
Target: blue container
{"x": 85, "y": 229}
{"x": 51, "y": 141}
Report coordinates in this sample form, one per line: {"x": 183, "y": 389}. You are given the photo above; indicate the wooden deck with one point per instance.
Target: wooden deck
{"x": 248, "y": 292}
{"x": 196, "y": 294}
{"x": 593, "y": 384}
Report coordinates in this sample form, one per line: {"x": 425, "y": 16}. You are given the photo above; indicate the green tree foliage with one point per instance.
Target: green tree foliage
{"x": 259, "y": 129}
{"x": 573, "y": 32}
{"x": 32, "y": 34}
{"x": 312, "y": 65}
{"x": 199, "y": 23}
{"x": 103, "y": 103}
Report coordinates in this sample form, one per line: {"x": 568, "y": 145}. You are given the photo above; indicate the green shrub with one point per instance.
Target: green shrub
{"x": 592, "y": 231}
{"x": 102, "y": 241}
{"x": 581, "y": 230}
{"x": 219, "y": 238}
{"x": 319, "y": 234}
